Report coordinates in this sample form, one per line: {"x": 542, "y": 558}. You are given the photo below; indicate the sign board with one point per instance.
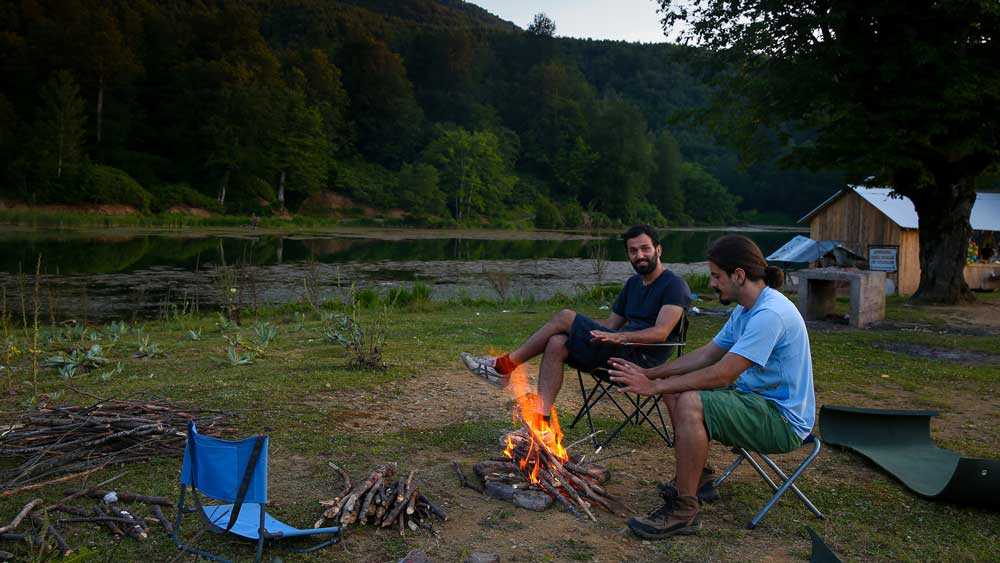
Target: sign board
{"x": 883, "y": 258}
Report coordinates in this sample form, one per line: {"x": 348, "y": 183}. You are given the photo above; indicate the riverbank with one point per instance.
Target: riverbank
{"x": 424, "y": 411}
{"x": 103, "y": 217}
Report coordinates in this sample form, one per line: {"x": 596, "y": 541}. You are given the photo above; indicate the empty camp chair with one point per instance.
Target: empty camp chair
{"x": 635, "y": 409}
{"x": 234, "y": 472}
{"x": 787, "y": 481}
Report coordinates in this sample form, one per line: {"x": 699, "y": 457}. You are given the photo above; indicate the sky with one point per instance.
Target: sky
{"x": 628, "y": 20}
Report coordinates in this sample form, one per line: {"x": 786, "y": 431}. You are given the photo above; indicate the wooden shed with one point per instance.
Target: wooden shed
{"x": 872, "y": 224}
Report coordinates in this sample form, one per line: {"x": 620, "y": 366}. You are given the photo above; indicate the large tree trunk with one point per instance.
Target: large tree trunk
{"x": 943, "y": 212}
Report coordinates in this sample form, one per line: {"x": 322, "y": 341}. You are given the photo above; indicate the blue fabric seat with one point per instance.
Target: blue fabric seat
{"x": 234, "y": 472}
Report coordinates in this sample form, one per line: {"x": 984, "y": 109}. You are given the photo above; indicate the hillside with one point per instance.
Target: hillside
{"x": 435, "y": 106}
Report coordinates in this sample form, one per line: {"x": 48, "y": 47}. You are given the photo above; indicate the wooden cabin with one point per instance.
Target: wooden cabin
{"x": 882, "y": 228}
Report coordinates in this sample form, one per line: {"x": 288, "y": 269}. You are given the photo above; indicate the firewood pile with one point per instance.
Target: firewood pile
{"x": 383, "y": 501}
{"x": 60, "y": 443}
{"x": 44, "y": 528}
{"x": 532, "y": 476}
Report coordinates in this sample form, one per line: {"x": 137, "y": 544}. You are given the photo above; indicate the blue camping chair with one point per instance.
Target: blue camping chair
{"x": 234, "y": 472}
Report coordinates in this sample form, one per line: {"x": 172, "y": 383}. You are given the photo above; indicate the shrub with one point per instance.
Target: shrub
{"x": 104, "y": 184}
{"x": 166, "y": 196}
{"x": 547, "y": 215}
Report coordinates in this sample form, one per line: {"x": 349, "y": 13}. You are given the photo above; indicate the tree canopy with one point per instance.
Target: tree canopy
{"x": 899, "y": 94}
{"x": 258, "y": 105}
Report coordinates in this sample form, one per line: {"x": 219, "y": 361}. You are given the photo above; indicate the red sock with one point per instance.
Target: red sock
{"x": 505, "y": 365}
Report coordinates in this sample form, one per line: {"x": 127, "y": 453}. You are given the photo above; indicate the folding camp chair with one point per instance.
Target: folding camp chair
{"x": 788, "y": 482}
{"x": 234, "y": 472}
{"x": 635, "y": 408}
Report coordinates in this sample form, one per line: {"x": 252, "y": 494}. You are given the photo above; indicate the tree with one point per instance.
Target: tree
{"x": 708, "y": 201}
{"x": 905, "y": 94}
{"x": 472, "y": 169}
{"x": 621, "y": 176}
{"x": 61, "y": 125}
{"x": 301, "y": 149}
{"x": 666, "y": 191}
{"x": 542, "y": 25}
{"x": 419, "y": 191}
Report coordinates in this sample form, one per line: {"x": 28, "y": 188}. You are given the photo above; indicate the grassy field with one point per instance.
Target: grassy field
{"x": 423, "y": 412}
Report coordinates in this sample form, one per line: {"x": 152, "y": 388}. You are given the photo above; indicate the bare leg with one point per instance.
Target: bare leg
{"x": 550, "y": 372}
{"x": 691, "y": 440}
{"x": 560, "y": 323}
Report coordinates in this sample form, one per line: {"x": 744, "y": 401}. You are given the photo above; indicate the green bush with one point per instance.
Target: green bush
{"x": 166, "y": 196}
{"x": 648, "y": 214}
{"x": 104, "y": 184}
{"x": 547, "y": 215}
{"x": 572, "y": 214}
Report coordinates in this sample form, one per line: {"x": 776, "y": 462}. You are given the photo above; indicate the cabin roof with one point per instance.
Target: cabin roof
{"x": 985, "y": 211}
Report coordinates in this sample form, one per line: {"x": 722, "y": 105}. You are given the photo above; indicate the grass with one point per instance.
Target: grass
{"x": 301, "y": 390}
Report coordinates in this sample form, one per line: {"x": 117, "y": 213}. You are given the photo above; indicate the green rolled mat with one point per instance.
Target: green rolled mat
{"x": 900, "y": 443}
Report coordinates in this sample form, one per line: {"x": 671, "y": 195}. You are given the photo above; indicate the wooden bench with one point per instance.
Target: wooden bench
{"x": 818, "y": 292}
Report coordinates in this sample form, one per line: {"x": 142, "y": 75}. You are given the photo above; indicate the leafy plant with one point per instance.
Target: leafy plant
{"x": 108, "y": 374}
{"x": 193, "y": 335}
{"x": 265, "y": 332}
{"x": 116, "y": 330}
{"x": 78, "y": 359}
{"x": 364, "y": 344}
{"x": 235, "y": 357}
{"x": 223, "y": 323}
{"x": 146, "y": 347}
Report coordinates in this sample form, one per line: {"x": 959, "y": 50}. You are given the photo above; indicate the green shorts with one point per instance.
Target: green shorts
{"x": 747, "y": 420}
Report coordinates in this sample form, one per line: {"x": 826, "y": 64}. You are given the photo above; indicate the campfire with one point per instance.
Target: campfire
{"x": 537, "y": 469}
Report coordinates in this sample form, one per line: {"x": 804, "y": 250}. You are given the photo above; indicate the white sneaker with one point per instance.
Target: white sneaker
{"x": 485, "y": 368}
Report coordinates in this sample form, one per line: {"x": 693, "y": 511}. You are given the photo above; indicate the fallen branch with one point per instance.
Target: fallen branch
{"x": 20, "y": 516}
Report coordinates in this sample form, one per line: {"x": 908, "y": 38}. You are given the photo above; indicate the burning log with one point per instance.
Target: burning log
{"x": 576, "y": 487}
{"x": 381, "y": 502}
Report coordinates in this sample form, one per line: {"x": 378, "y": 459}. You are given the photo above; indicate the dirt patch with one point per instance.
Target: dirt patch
{"x": 949, "y": 354}
{"x": 189, "y": 210}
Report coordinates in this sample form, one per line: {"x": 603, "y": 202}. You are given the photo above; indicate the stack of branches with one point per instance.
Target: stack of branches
{"x": 381, "y": 501}
{"x": 60, "y": 443}
{"x": 48, "y": 527}
{"x": 575, "y": 487}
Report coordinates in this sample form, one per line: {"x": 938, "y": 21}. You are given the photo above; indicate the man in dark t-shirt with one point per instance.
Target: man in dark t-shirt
{"x": 648, "y": 310}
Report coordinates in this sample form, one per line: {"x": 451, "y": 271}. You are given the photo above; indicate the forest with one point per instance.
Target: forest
{"x": 434, "y": 112}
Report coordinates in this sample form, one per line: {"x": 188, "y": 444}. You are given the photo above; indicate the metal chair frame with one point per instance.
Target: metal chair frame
{"x": 642, "y": 408}
{"x": 787, "y": 481}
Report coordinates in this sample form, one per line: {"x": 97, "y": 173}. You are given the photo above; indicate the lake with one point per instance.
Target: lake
{"x": 126, "y": 273}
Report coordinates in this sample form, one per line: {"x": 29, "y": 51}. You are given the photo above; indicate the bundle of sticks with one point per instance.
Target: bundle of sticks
{"x": 575, "y": 487}
{"x": 60, "y": 443}
{"x": 48, "y": 527}
{"x": 381, "y": 501}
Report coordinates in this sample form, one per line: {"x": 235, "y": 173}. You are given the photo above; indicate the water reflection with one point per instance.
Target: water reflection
{"x": 119, "y": 275}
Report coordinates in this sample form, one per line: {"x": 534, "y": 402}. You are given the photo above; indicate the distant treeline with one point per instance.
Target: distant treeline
{"x": 435, "y": 107}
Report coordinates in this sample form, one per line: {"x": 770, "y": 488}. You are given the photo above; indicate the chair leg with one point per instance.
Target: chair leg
{"x": 789, "y": 483}
{"x": 729, "y": 470}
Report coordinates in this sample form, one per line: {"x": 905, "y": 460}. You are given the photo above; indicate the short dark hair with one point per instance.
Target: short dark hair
{"x": 639, "y": 230}
{"x": 737, "y": 251}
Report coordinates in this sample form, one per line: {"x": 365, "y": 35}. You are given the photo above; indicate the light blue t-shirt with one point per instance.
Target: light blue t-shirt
{"x": 772, "y": 335}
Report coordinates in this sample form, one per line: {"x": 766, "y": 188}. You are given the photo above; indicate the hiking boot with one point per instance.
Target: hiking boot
{"x": 706, "y": 487}
{"x": 485, "y": 368}
{"x": 677, "y": 517}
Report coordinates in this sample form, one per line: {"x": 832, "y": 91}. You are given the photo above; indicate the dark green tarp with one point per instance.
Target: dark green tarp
{"x": 900, "y": 443}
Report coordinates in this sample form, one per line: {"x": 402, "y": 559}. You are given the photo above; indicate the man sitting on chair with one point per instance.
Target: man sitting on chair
{"x": 764, "y": 349}
{"x": 647, "y": 310}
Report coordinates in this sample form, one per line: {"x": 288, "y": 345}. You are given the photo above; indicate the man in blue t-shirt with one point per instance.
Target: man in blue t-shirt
{"x": 648, "y": 310}
{"x": 751, "y": 386}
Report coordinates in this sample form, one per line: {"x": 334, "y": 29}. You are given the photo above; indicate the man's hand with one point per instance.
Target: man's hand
{"x": 608, "y": 337}
{"x": 631, "y": 376}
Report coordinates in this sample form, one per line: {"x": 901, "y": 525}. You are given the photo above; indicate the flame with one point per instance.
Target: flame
{"x": 542, "y": 434}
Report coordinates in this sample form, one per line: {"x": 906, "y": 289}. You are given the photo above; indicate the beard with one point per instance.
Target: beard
{"x": 721, "y": 300}
{"x": 644, "y": 267}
